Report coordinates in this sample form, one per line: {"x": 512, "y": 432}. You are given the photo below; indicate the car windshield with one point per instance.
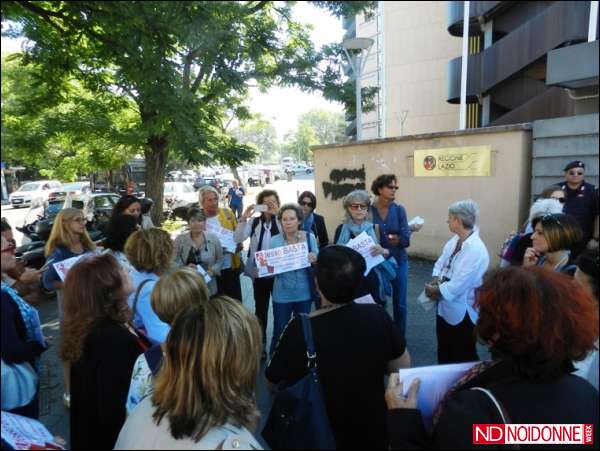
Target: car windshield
{"x": 30, "y": 187}
{"x": 73, "y": 186}
{"x": 169, "y": 188}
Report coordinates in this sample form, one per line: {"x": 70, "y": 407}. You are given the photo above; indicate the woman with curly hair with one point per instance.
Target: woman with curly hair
{"x": 536, "y": 323}
{"x": 101, "y": 346}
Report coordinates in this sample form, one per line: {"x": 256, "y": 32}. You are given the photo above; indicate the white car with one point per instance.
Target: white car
{"x": 77, "y": 187}
{"x": 33, "y": 194}
{"x": 300, "y": 168}
{"x": 179, "y": 194}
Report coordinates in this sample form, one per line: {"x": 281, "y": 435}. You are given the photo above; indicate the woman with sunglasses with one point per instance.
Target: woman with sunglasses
{"x": 395, "y": 237}
{"x": 68, "y": 238}
{"x": 553, "y": 237}
{"x": 356, "y": 204}
{"x": 313, "y": 223}
{"x": 22, "y": 340}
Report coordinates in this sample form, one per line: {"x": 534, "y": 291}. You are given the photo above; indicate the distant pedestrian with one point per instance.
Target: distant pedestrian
{"x": 205, "y": 392}
{"x": 101, "y": 346}
{"x": 235, "y": 195}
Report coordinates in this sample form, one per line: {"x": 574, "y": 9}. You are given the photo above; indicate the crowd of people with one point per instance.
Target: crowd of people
{"x": 159, "y": 352}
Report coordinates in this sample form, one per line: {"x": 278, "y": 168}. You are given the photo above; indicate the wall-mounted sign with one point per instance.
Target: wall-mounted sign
{"x": 475, "y": 161}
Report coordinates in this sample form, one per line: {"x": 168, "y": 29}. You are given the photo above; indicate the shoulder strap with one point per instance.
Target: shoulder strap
{"x": 154, "y": 358}
{"x": 311, "y": 352}
{"x": 137, "y": 296}
{"x": 499, "y": 407}
{"x": 255, "y": 222}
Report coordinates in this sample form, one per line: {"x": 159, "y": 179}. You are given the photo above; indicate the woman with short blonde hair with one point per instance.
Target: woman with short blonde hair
{"x": 205, "y": 391}
{"x": 172, "y": 294}
{"x": 151, "y": 254}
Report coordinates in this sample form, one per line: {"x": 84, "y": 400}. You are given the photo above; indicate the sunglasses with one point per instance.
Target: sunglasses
{"x": 562, "y": 200}
{"x": 357, "y": 207}
{"x": 306, "y": 204}
{"x": 552, "y": 218}
{"x": 10, "y": 249}
{"x": 575, "y": 172}
{"x": 392, "y": 187}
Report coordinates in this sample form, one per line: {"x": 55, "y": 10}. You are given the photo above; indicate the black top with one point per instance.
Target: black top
{"x": 569, "y": 399}
{"x": 354, "y": 343}
{"x": 582, "y": 204}
{"x": 99, "y": 386}
{"x": 320, "y": 231}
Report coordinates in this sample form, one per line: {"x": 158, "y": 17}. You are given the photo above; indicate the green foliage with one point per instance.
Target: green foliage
{"x": 260, "y": 133}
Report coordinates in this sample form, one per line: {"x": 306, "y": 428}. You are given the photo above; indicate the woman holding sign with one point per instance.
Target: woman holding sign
{"x": 260, "y": 230}
{"x": 292, "y": 290}
{"x": 357, "y": 205}
{"x": 199, "y": 247}
{"x": 68, "y": 239}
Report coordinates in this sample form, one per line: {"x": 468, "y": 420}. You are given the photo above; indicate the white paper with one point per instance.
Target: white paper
{"x": 363, "y": 244}
{"x": 203, "y": 273}
{"x": 225, "y": 236}
{"x": 282, "y": 259}
{"x": 417, "y": 220}
{"x": 435, "y": 383}
{"x": 24, "y": 433}
{"x": 426, "y": 302}
{"x": 366, "y": 299}
{"x": 63, "y": 267}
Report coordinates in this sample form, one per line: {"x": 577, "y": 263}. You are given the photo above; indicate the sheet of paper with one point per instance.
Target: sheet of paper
{"x": 225, "y": 236}
{"x": 26, "y": 433}
{"x": 417, "y": 220}
{"x": 63, "y": 267}
{"x": 366, "y": 299}
{"x": 203, "y": 273}
{"x": 425, "y": 302}
{"x": 282, "y": 259}
{"x": 363, "y": 244}
{"x": 435, "y": 383}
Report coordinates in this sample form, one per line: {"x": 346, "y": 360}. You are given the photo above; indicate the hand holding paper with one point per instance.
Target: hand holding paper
{"x": 363, "y": 244}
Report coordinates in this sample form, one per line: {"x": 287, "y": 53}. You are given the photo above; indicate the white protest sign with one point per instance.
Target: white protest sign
{"x": 26, "y": 433}
{"x": 203, "y": 273}
{"x": 63, "y": 267}
{"x": 225, "y": 236}
{"x": 435, "y": 383}
{"x": 363, "y": 244}
{"x": 282, "y": 259}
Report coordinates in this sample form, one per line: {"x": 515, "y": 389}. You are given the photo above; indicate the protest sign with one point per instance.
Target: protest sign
{"x": 282, "y": 259}
{"x": 26, "y": 433}
{"x": 435, "y": 383}
{"x": 363, "y": 244}
{"x": 63, "y": 267}
{"x": 225, "y": 236}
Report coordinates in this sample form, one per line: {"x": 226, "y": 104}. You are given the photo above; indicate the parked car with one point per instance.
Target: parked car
{"x": 77, "y": 187}
{"x": 179, "y": 194}
{"x": 299, "y": 168}
{"x": 33, "y": 194}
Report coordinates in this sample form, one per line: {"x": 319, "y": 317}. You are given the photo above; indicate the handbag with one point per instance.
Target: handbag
{"x": 298, "y": 418}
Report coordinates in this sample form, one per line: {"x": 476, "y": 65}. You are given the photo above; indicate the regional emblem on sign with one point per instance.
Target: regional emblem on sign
{"x": 429, "y": 162}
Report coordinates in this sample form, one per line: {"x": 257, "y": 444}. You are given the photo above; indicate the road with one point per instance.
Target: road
{"x": 420, "y": 329}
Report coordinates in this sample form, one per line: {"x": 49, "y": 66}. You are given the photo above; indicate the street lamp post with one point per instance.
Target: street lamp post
{"x": 358, "y": 62}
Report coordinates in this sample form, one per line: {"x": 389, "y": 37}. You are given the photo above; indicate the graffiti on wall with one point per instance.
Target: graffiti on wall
{"x": 341, "y": 184}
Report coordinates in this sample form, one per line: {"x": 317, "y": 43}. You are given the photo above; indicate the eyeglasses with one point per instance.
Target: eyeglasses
{"x": 306, "y": 204}
{"x": 392, "y": 187}
{"x": 357, "y": 207}
{"x": 575, "y": 172}
{"x": 562, "y": 200}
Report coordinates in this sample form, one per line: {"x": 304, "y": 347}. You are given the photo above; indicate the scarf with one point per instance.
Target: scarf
{"x": 350, "y": 229}
{"x": 309, "y": 221}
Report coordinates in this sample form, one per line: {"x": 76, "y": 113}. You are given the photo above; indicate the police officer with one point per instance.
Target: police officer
{"x": 582, "y": 203}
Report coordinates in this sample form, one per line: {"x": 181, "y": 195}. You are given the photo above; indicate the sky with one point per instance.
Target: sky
{"x": 282, "y": 106}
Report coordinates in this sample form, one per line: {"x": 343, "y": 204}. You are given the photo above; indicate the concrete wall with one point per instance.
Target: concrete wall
{"x": 503, "y": 197}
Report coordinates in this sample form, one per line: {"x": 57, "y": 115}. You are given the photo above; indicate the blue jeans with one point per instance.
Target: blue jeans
{"x": 282, "y": 313}
{"x": 400, "y": 287}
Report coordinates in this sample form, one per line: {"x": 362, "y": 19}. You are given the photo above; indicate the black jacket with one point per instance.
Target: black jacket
{"x": 320, "y": 231}
{"x": 569, "y": 399}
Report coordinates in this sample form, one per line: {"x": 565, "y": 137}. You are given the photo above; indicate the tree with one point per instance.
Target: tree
{"x": 260, "y": 133}
{"x": 178, "y": 62}
{"x": 329, "y": 126}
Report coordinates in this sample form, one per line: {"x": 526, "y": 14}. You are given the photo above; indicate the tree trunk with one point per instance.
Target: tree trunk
{"x": 156, "y": 162}
{"x": 236, "y": 174}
